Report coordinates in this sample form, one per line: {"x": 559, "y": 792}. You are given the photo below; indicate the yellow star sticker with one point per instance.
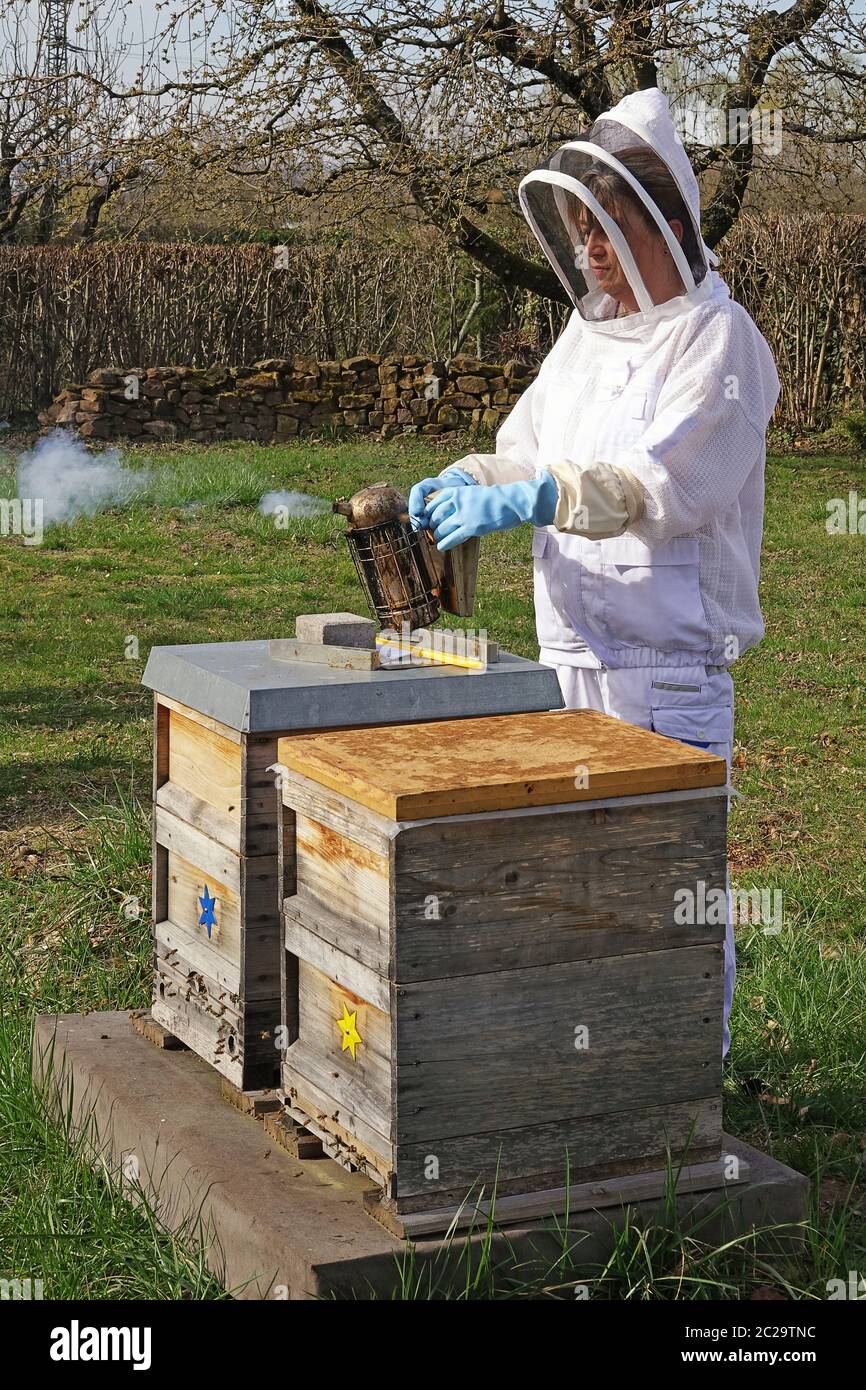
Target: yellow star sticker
{"x": 351, "y": 1036}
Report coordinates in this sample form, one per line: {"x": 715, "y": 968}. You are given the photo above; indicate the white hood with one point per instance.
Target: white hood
{"x": 648, "y": 115}
{"x": 636, "y": 133}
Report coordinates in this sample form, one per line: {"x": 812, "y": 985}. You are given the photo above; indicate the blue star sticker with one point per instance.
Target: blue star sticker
{"x": 207, "y": 918}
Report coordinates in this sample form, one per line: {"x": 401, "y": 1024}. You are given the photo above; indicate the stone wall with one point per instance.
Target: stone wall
{"x": 279, "y": 398}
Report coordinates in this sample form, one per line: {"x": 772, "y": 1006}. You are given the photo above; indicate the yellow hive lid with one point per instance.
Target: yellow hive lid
{"x": 499, "y": 762}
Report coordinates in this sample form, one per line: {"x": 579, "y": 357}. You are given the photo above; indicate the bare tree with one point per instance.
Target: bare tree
{"x": 66, "y": 146}
{"x": 432, "y": 114}
{"x": 405, "y": 116}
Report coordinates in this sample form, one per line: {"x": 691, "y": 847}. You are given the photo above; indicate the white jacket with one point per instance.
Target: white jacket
{"x": 654, "y": 425}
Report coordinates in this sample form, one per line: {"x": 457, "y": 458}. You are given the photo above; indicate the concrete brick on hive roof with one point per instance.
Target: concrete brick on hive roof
{"x": 336, "y": 629}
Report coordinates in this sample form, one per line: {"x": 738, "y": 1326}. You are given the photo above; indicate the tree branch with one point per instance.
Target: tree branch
{"x": 436, "y": 204}
{"x": 768, "y": 34}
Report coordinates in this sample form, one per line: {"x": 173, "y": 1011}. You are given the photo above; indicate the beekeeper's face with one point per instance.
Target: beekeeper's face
{"x": 593, "y": 251}
{"x": 611, "y": 220}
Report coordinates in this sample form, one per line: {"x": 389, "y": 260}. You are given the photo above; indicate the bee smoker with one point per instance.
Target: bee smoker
{"x": 405, "y": 578}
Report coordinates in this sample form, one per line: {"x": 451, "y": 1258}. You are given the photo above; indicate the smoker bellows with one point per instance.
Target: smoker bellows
{"x": 405, "y": 578}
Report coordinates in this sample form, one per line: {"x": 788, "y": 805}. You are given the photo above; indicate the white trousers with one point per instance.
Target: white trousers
{"x": 682, "y": 702}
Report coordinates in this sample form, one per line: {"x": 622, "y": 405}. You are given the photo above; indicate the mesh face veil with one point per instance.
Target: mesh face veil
{"x": 601, "y": 209}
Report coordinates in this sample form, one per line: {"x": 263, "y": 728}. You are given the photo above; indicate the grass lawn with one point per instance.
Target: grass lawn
{"x": 191, "y": 560}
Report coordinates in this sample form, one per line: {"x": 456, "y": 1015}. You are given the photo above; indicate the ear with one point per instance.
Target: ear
{"x": 676, "y": 227}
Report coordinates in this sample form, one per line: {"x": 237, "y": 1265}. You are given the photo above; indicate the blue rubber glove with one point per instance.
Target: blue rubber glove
{"x": 451, "y": 477}
{"x": 460, "y": 513}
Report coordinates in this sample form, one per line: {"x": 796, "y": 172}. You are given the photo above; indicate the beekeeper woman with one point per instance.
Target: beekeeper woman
{"x": 638, "y": 452}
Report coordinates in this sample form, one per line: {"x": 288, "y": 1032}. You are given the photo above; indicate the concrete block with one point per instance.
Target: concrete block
{"x": 276, "y": 1226}
{"x": 336, "y": 629}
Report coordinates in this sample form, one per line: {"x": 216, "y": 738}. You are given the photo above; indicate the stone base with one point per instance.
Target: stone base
{"x": 275, "y": 1226}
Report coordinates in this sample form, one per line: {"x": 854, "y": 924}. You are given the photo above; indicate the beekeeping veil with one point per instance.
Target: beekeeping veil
{"x": 566, "y": 196}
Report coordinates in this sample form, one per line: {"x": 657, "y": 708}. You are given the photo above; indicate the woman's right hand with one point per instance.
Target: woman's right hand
{"x": 451, "y": 477}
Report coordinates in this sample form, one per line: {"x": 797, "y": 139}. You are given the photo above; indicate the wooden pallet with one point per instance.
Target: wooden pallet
{"x": 255, "y": 1103}
{"x": 144, "y": 1023}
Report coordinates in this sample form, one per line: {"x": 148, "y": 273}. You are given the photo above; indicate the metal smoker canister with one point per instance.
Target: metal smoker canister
{"x": 404, "y": 576}
{"x": 394, "y": 561}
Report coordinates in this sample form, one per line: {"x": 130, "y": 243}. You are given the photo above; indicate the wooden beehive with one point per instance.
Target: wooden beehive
{"x": 485, "y": 976}
{"x": 217, "y": 974}
{"x": 219, "y": 711}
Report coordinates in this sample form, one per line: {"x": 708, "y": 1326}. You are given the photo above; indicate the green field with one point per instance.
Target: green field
{"x": 191, "y": 560}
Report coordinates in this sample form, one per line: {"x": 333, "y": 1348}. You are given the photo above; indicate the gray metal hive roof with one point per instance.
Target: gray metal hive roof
{"x": 242, "y": 686}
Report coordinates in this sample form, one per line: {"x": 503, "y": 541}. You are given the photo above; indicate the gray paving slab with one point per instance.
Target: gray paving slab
{"x": 279, "y": 1227}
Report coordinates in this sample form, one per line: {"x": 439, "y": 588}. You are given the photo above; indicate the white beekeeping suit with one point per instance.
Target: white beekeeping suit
{"x": 653, "y": 424}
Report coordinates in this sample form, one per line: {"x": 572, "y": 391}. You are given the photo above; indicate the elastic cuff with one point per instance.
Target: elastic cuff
{"x": 592, "y": 499}
{"x": 473, "y": 466}
{"x": 632, "y": 494}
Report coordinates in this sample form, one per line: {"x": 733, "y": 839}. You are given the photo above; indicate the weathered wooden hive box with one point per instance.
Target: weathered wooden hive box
{"x": 219, "y": 710}
{"x": 486, "y": 969}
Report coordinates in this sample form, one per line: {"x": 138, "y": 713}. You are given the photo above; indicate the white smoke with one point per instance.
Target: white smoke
{"x": 70, "y": 481}
{"x": 285, "y": 504}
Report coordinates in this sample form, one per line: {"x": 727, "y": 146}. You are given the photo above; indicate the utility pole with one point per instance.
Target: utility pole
{"x": 58, "y": 135}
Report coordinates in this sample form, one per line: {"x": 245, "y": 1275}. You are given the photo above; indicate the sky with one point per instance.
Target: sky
{"x": 134, "y": 26}
{"x": 142, "y": 18}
